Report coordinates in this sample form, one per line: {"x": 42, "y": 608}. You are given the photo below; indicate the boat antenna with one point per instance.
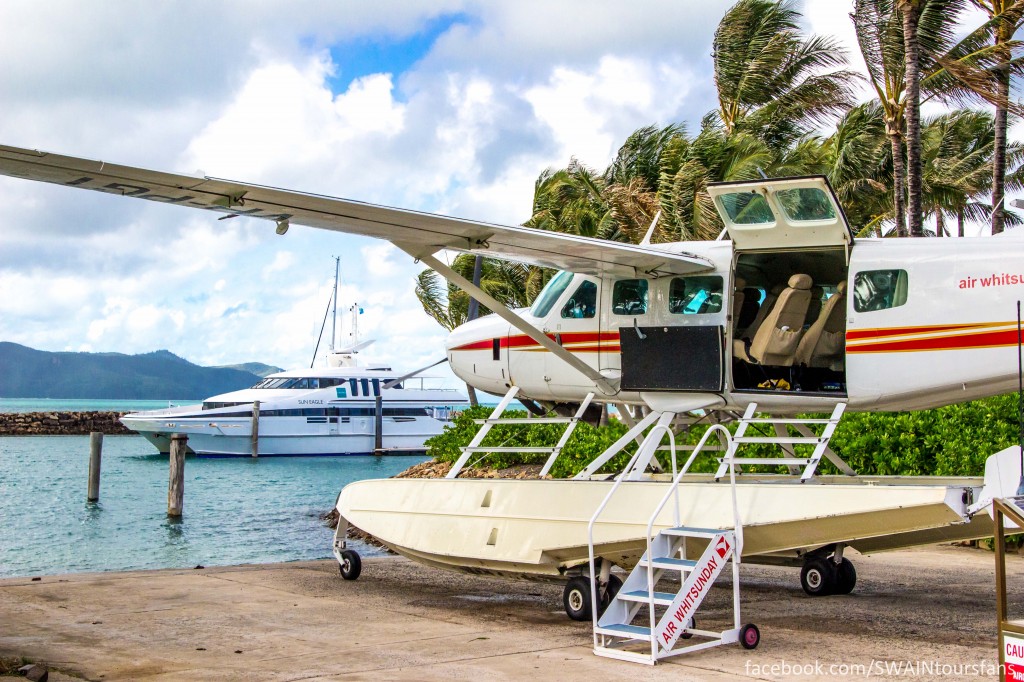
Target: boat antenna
{"x": 334, "y": 323}
{"x": 321, "y": 335}
{"x": 1020, "y": 404}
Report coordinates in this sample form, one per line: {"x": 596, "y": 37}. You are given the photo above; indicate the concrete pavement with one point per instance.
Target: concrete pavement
{"x": 932, "y": 607}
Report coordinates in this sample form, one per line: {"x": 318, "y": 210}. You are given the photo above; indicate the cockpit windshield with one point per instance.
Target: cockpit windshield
{"x": 551, "y": 293}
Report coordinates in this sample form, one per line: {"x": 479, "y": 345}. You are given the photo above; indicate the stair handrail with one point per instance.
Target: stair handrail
{"x": 725, "y": 440}
{"x": 604, "y": 503}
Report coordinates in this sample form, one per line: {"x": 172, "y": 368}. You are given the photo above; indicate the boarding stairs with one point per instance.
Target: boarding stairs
{"x": 644, "y": 624}
{"x": 802, "y": 465}
{"x": 496, "y": 418}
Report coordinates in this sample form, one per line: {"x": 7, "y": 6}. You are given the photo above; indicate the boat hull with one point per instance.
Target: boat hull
{"x": 539, "y": 528}
{"x": 284, "y": 436}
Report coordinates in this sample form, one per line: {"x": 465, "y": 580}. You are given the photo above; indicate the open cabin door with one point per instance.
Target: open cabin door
{"x": 781, "y": 214}
{"x": 791, "y": 256}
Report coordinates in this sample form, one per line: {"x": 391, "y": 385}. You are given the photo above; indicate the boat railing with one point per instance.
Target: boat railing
{"x": 175, "y": 409}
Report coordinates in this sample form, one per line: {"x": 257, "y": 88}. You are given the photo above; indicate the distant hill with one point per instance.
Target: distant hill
{"x": 160, "y": 375}
{"x": 257, "y": 368}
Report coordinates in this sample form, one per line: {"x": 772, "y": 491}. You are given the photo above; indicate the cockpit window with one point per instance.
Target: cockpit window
{"x": 695, "y": 295}
{"x": 629, "y": 297}
{"x": 805, "y": 204}
{"x": 747, "y": 208}
{"x": 583, "y": 303}
{"x": 879, "y": 290}
{"x": 551, "y": 293}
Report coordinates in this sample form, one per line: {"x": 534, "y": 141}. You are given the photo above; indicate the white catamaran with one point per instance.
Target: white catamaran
{"x": 340, "y": 409}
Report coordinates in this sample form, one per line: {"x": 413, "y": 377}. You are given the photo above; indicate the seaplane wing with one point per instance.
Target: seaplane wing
{"x": 420, "y": 234}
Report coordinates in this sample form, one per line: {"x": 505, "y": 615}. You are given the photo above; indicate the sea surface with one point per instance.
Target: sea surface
{"x": 236, "y": 510}
{"x": 72, "y": 405}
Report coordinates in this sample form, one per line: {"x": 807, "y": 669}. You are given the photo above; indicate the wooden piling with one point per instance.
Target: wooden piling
{"x": 256, "y": 429}
{"x": 95, "y": 455}
{"x": 176, "y": 482}
{"x": 378, "y": 426}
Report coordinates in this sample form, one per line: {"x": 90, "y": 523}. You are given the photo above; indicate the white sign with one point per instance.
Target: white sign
{"x": 1013, "y": 656}
{"x": 696, "y": 587}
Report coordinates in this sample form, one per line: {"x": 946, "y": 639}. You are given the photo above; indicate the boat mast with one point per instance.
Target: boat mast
{"x": 334, "y": 322}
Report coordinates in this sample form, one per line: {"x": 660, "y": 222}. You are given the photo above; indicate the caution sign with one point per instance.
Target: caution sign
{"x": 1013, "y": 656}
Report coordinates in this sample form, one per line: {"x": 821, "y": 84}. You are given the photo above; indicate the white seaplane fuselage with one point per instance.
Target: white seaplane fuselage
{"x": 954, "y": 339}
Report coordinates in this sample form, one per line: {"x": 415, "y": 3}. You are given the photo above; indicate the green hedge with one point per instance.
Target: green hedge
{"x": 948, "y": 441}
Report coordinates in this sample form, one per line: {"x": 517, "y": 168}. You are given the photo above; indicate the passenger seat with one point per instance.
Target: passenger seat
{"x": 776, "y": 339}
{"x": 824, "y": 344}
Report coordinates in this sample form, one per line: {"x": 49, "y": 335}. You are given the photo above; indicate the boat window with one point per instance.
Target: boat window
{"x": 376, "y": 387}
{"x": 354, "y": 386}
{"x": 365, "y": 385}
{"x": 551, "y": 293}
{"x": 695, "y": 295}
{"x": 583, "y": 303}
{"x": 805, "y": 204}
{"x": 629, "y": 297}
{"x": 747, "y": 208}
{"x": 879, "y": 290}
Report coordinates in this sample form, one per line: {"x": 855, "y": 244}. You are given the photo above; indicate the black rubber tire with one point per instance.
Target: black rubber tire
{"x": 614, "y": 585}
{"x": 576, "y": 598}
{"x": 690, "y": 626}
{"x": 818, "y": 576}
{"x": 351, "y": 565}
{"x": 750, "y": 636}
{"x": 846, "y": 577}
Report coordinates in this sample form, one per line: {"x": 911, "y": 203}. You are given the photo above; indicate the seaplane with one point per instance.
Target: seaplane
{"x": 786, "y": 314}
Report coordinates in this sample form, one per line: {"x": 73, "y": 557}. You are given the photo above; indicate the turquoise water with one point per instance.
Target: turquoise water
{"x": 72, "y": 405}
{"x": 236, "y": 510}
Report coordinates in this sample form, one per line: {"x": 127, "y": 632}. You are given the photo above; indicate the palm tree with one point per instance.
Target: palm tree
{"x": 912, "y": 56}
{"x": 1007, "y": 16}
{"x": 771, "y": 81}
{"x": 860, "y": 167}
{"x": 880, "y": 37}
{"x": 958, "y": 149}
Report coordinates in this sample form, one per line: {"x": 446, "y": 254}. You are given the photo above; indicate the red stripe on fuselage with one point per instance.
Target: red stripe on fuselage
{"x": 524, "y": 342}
{"x": 989, "y": 339}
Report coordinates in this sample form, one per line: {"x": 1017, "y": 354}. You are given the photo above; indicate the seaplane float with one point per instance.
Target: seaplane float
{"x": 785, "y": 314}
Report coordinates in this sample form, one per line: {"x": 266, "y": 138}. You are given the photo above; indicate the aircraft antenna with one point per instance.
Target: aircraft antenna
{"x": 1020, "y": 404}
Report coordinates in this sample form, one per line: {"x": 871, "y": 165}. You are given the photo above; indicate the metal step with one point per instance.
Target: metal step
{"x": 483, "y": 448}
{"x": 778, "y": 440}
{"x": 684, "y": 565}
{"x": 786, "y": 420}
{"x": 621, "y": 630}
{"x": 525, "y": 420}
{"x": 687, "y": 531}
{"x": 660, "y": 598}
{"x": 802, "y": 461}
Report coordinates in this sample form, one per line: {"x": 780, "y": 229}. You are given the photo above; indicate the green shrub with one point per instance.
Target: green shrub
{"x": 948, "y": 441}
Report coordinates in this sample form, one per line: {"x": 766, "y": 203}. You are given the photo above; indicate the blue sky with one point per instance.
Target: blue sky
{"x": 384, "y": 53}
{"x": 455, "y": 108}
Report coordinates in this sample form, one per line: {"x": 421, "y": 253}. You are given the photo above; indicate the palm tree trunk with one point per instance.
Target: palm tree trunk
{"x": 960, "y": 222}
{"x": 911, "y": 12}
{"x": 899, "y": 178}
{"x": 940, "y": 223}
{"x": 999, "y": 142}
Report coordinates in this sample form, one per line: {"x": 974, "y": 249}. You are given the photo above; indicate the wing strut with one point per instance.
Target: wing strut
{"x": 517, "y": 322}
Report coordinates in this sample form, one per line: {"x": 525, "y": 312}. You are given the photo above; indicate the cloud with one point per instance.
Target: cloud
{"x": 250, "y": 91}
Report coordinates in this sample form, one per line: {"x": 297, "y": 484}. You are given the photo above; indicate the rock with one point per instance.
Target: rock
{"x": 36, "y": 673}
